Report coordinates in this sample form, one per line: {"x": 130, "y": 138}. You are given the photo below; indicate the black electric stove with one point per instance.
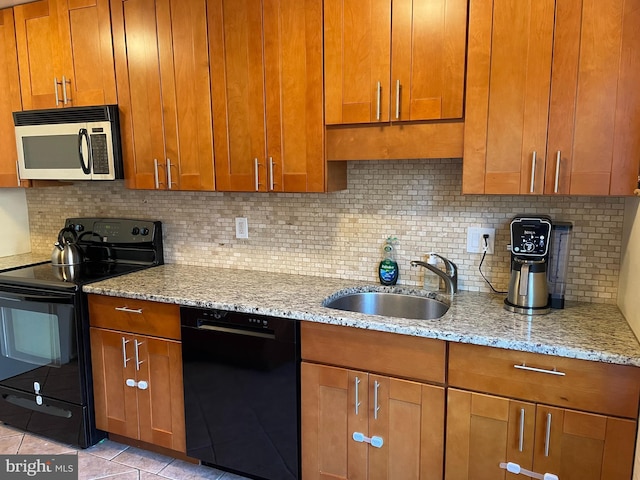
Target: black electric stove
{"x": 45, "y": 362}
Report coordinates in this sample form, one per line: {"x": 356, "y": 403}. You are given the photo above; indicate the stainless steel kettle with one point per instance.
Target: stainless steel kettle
{"x": 66, "y": 252}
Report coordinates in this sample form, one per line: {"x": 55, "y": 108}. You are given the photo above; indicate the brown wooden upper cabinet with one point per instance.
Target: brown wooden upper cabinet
{"x": 10, "y": 102}
{"x": 552, "y": 104}
{"x": 164, "y": 93}
{"x": 267, "y": 86}
{"x": 65, "y": 53}
{"x": 394, "y": 60}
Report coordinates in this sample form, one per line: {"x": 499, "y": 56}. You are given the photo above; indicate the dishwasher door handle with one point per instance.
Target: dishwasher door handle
{"x": 237, "y": 331}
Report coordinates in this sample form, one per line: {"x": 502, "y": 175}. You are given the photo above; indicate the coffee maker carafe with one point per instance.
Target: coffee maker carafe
{"x": 528, "y": 292}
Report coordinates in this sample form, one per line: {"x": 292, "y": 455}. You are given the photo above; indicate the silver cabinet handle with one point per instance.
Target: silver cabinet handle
{"x": 540, "y": 370}
{"x": 255, "y": 166}
{"x": 128, "y": 310}
{"x": 138, "y": 361}
{"x": 271, "y": 182}
{"x": 357, "y": 382}
{"x": 64, "y": 90}
{"x": 547, "y": 437}
{"x": 378, "y": 100}
{"x": 376, "y": 407}
{"x": 398, "y": 100}
{"x": 558, "y": 156}
{"x": 169, "y": 181}
{"x": 55, "y": 89}
{"x": 18, "y": 173}
{"x": 124, "y": 352}
{"x": 521, "y": 436}
{"x": 533, "y": 172}
{"x": 155, "y": 173}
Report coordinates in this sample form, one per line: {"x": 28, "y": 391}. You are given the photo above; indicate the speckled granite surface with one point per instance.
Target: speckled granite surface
{"x": 582, "y": 330}
{"x": 15, "y": 261}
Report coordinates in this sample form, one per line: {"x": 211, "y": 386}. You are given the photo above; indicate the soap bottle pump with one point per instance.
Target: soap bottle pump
{"x": 431, "y": 280}
{"x": 388, "y": 268}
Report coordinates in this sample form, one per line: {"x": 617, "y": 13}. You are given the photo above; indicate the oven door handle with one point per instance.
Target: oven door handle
{"x": 32, "y": 405}
{"x": 35, "y": 298}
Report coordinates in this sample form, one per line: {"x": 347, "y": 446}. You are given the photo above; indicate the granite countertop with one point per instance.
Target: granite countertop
{"x": 585, "y": 331}
{"x": 15, "y": 261}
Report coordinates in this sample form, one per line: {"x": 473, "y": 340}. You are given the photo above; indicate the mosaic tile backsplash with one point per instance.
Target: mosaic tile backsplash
{"x": 341, "y": 234}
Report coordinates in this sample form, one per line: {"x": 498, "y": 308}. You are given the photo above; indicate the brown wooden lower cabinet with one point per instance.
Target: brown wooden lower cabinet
{"x": 137, "y": 381}
{"x": 357, "y": 425}
{"x": 484, "y": 431}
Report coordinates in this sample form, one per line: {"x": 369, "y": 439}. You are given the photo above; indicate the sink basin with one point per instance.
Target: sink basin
{"x": 390, "y": 305}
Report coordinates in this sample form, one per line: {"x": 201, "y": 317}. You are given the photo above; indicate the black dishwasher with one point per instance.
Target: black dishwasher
{"x": 241, "y": 392}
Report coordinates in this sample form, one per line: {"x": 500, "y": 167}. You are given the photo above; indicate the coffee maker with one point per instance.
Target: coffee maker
{"x": 528, "y": 291}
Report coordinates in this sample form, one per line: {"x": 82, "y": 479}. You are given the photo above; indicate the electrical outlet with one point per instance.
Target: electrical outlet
{"x": 242, "y": 227}
{"x": 475, "y": 242}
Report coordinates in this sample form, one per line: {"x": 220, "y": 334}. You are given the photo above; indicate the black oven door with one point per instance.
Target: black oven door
{"x": 38, "y": 345}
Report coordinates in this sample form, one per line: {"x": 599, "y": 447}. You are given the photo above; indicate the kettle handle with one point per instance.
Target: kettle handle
{"x": 61, "y": 239}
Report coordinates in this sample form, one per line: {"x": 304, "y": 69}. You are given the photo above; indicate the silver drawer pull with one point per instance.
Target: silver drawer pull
{"x": 539, "y": 370}
{"x": 128, "y": 310}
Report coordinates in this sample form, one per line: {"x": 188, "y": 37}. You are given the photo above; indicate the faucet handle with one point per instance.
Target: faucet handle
{"x": 452, "y": 268}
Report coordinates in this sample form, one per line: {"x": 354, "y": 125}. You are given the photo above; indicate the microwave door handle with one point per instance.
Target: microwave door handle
{"x": 86, "y": 167}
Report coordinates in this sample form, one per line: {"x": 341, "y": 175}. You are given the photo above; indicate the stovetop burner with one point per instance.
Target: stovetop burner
{"x": 72, "y": 278}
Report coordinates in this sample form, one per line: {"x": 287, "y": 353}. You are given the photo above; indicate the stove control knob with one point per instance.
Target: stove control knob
{"x": 144, "y": 231}
{"x": 135, "y": 231}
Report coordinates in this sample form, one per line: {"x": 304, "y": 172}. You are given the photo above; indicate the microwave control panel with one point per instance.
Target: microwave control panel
{"x": 99, "y": 152}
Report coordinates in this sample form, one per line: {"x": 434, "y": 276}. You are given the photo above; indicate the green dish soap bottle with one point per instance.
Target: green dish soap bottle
{"x": 388, "y": 268}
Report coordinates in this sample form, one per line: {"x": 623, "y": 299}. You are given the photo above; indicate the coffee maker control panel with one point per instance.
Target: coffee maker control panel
{"x": 530, "y": 237}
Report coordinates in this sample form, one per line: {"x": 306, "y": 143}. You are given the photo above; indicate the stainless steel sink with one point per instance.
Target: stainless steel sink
{"x": 390, "y": 305}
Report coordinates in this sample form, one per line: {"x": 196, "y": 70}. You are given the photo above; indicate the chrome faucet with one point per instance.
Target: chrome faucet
{"x": 450, "y": 276}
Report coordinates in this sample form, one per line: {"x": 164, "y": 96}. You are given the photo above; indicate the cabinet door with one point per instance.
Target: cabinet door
{"x": 237, "y": 88}
{"x": 135, "y": 38}
{"x": 582, "y": 446}
{"x": 10, "y": 102}
{"x": 508, "y": 78}
{"x": 293, "y": 74}
{"x": 357, "y": 60}
{"x": 113, "y": 363}
{"x": 39, "y": 54}
{"x": 87, "y": 52}
{"x": 484, "y": 431}
{"x": 186, "y": 94}
{"x": 161, "y": 404}
{"x": 594, "y": 144}
{"x": 334, "y": 406}
{"x": 409, "y": 417}
{"x": 428, "y": 59}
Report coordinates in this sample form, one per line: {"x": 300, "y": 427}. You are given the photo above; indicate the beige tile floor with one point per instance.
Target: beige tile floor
{"x": 109, "y": 460}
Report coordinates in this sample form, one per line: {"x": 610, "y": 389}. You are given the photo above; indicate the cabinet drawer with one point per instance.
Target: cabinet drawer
{"x": 371, "y": 351}
{"x": 135, "y": 316}
{"x": 585, "y": 385}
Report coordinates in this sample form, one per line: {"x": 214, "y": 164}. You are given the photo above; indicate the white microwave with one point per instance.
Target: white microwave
{"x": 76, "y": 143}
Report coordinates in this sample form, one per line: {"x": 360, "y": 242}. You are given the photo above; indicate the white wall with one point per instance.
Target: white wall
{"x": 14, "y": 222}
{"x": 629, "y": 285}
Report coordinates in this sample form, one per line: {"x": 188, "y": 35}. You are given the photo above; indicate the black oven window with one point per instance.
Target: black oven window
{"x": 38, "y": 337}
